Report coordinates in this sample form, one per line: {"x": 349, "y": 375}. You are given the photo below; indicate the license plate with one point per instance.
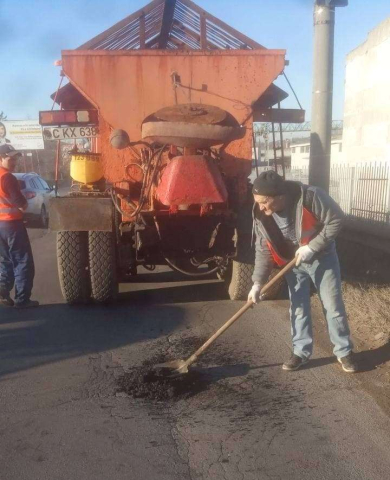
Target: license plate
{"x": 69, "y": 133}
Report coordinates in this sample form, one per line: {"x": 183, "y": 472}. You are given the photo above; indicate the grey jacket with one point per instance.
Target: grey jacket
{"x": 320, "y": 204}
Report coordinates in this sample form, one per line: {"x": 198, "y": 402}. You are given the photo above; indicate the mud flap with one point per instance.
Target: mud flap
{"x": 80, "y": 214}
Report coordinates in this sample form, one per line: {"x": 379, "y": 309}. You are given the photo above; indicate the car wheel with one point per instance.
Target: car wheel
{"x": 44, "y": 217}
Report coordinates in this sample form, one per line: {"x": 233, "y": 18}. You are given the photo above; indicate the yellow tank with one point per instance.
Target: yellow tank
{"x": 86, "y": 167}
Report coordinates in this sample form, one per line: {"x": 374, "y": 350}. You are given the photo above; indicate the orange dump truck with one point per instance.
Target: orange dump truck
{"x": 166, "y": 180}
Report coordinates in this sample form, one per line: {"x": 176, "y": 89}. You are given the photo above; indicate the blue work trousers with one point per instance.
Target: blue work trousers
{"x": 324, "y": 271}
{"x": 16, "y": 261}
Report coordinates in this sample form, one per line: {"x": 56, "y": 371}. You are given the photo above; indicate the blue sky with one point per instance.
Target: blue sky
{"x": 33, "y": 33}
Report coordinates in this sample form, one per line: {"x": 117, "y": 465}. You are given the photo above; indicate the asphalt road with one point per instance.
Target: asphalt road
{"x": 62, "y": 417}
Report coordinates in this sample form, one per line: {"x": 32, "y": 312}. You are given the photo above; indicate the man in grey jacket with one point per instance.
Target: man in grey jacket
{"x": 295, "y": 219}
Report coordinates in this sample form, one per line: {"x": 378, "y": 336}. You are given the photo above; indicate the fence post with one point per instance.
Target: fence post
{"x": 351, "y": 191}
{"x": 388, "y": 194}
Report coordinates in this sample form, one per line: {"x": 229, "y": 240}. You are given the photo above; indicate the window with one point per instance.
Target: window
{"x": 307, "y": 148}
{"x": 293, "y": 150}
{"x": 302, "y": 149}
{"x": 34, "y": 184}
{"x": 41, "y": 183}
{"x": 340, "y": 147}
{"x": 45, "y": 185}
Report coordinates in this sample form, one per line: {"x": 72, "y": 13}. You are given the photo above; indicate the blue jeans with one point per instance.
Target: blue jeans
{"x": 324, "y": 271}
{"x": 16, "y": 261}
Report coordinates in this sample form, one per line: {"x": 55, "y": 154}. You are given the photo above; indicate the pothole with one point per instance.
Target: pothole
{"x": 153, "y": 383}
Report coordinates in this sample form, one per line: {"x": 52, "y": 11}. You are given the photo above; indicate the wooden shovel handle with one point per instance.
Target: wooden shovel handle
{"x": 282, "y": 272}
{"x": 219, "y": 332}
{"x": 237, "y": 315}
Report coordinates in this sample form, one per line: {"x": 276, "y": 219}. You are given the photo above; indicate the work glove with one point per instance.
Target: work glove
{"x": 304, "y": 254}
{"x": 254, "y": 294}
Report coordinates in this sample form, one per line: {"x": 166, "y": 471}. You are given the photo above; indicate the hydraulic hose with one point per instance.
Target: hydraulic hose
{"x": 200, "y": 274}
{"x": 146, "y": 185}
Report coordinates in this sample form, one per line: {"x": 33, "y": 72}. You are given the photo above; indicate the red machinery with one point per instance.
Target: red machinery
{"x": 176, "y": 150}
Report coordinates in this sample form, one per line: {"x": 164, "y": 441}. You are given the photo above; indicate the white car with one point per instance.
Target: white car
{"x": 37, "y": 193}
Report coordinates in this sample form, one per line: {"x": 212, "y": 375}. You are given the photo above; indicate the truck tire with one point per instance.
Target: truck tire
{"x": 72, "y": 259}
{"x": 241, "y": 280}
{"x": 103, "y": 266}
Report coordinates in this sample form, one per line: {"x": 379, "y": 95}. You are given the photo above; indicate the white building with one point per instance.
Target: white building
{"x": 300, "y": 154}
{"x": 265, "y": 152}
{"x": 366, "y": 135}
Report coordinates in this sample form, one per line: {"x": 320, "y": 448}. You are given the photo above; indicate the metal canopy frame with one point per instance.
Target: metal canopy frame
{"x": 170, "y": 24}
{"x": 174, "y": 25}
{"x": 178, "y": 25}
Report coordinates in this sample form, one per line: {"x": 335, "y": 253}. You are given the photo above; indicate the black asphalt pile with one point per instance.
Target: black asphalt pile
{"x": 153, "y": 383}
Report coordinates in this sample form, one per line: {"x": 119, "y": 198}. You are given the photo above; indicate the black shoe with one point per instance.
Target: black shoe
{"x": 27, "y": 304}
{"x": 6, "y": 301}
{"x": 349, "y": 363}
{"x": 294, "y": 362}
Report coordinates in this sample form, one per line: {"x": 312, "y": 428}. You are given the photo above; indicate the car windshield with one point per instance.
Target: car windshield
{"x": 44, "y": 184}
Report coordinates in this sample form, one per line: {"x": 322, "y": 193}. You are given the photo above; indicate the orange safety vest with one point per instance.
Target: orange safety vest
{"x": 308, "y": 230}
{"x": 8, "y": 211}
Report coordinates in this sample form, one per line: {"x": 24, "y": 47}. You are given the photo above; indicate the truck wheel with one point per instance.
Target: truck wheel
{"x": 102, "y": 266}
{"x": 241, "y": 280}
{"x": 72, "y": 258}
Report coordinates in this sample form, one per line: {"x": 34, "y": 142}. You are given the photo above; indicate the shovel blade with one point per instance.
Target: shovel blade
{"x": 174, "y": 367}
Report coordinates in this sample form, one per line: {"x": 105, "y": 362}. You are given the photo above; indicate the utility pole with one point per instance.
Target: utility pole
{"x": 321, "y": 122}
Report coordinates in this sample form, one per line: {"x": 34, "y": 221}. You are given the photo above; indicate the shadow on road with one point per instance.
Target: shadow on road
{"x": 225, "y": 371}
{"x": 319, "y": 362}
{"x": 313, "y": 363}
{"x": 370, "y": 359}
{"x": 367, "y": 360}
{"x": 35, "y": 225}
{"x": 55, "y": 332}
{"x": 202, "y": 292}
{"x": 166, "y": 277}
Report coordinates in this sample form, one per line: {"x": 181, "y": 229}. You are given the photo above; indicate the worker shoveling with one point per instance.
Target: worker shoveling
{"x": 165, "y": 381}
{"x": 178, "y": 367}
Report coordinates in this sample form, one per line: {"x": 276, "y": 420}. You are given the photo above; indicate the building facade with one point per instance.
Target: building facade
{"x": 300, "y": 154}
{"x": 366, "y": 135}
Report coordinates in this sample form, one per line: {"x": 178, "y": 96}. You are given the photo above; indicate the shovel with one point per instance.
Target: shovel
{"x": 178, "y": 367}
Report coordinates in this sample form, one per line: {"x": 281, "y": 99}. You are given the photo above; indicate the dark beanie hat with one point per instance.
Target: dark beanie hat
{"x": 269, "y": 184}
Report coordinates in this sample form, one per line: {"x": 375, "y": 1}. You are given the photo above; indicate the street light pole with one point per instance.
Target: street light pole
{"x": 321, "y": 121}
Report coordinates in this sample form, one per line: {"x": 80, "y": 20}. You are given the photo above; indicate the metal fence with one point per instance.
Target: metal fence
{"x": 362, "y": 191}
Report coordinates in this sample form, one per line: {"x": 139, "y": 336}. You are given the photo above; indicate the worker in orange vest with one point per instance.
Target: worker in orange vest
{"x": 16, "y": 259}
{"x": 295, "y": 219}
